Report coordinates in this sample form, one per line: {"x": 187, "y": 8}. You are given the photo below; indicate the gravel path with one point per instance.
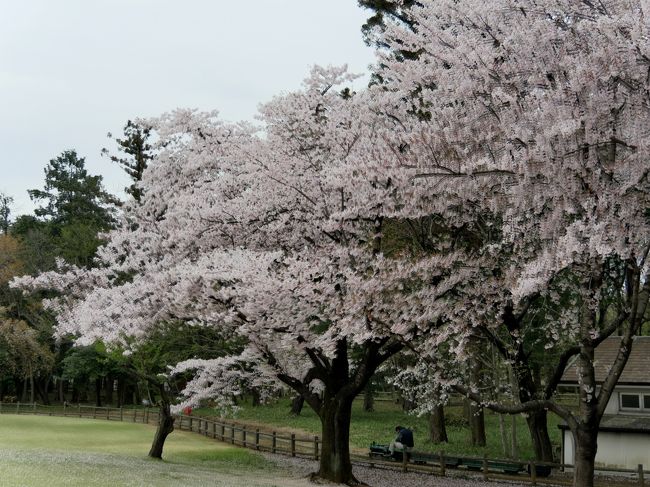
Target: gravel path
{"x": 376, "y": 477}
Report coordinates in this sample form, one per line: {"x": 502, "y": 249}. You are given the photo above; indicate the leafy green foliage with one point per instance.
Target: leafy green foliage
{"x": 5, "y": 212}
{"x": 136, "y": 152}
{"x": 71, "y": 195}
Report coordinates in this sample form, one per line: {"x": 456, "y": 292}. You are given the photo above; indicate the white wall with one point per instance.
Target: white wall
{"x": 620, "y": 450}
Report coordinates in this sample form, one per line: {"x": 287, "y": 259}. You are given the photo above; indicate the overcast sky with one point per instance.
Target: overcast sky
{"x": 73, "y": 70}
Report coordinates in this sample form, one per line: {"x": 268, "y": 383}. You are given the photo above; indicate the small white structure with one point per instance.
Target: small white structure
{"x": 624, "y": 434}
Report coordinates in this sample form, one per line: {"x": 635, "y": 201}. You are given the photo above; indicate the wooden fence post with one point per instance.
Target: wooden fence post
{"x": 533, "y": 473}
{"x": 641, "y": 479}
{"x": 146, "y": 416}
{"x": 223, "y": 432}
{"x": 315, "y": 447}
{"x": 135, "y": 414}
{"x": 108, "y": 414}
{"x": 274, "y": 441}
{"x": 232, "y": 434}
{"x": 79, "y": 407}
{"x": 94, "y": 413}
{"x": 214, "y": 430}
{"x": 64, "y": 405}
{"x": 121, "y": 413}
{"x": 243, "y": 436}
{"x": 405, "y": 459}
{"x": 257, "y": 439}
{"x": 485, "y": 467}
{"x": 293, "y": 444}
{"x": 442, "y": 463}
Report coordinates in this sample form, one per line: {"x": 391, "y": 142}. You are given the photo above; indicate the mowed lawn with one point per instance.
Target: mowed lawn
{"x": 37, "y": 451}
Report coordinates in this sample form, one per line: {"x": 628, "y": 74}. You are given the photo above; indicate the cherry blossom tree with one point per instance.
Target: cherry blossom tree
{"x": 273, "y": 237}
{"x": 530, "y": 119}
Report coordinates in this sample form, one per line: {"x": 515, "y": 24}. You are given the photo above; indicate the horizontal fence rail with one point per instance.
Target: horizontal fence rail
{"x": 243, "y": 435}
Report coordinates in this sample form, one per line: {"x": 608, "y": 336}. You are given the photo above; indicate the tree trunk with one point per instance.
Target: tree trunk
{"x": 31, "y": 387}
{"x": 477, "y": 424}
{"x": 514, "y": 448}
{"x": 538, "y": 427}
{"x": 586, "y": 444}
{"x": 108, "y": 390}
{"x": 165, "y": 427}
{"x": 98, "y": 392}
{"x": 42, "y": 387}
{"x": 256, "y": 399}
{"x": 335, "y": 464}
{"x": 296, "y": 405}
{"x": 408, "y": 405}
{"x": 120, "y": 392}
{"x": 369, "y": 398}
{"x": 504, "y": 435}
{"x": 437, "y": 429}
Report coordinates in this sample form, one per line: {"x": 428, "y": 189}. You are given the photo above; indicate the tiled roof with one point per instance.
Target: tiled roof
{"x": 637, "y": 369}
{"x": 620, "y": 423}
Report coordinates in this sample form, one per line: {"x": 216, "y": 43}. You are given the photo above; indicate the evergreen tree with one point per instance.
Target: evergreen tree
{"x": 136, "y": 152}
{"x": 5, "y": 211}
{"x": 72, "y": 195}
{"x": 386, "y": 11}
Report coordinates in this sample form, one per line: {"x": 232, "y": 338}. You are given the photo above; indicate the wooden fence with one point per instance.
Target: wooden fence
{"x": 309, "y": 446}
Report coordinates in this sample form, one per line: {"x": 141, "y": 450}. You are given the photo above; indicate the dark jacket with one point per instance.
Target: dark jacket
{"x": 405, "y": 437}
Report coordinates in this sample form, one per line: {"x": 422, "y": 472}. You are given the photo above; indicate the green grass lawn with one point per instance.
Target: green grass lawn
{"x": 38, "y": 451}
{"x": 379, "y": 425}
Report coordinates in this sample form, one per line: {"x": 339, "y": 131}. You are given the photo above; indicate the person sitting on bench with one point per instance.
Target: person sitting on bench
{"x": 403, "y": 441}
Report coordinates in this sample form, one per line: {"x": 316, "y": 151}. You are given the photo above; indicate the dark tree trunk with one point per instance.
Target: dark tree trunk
{"x": 477, "y": 424}
{"x": 255, "y": 398}
{"x": 334, "y": 405}
{"x": 42, "y": 387}
{"x": 335, "y": 464}
{"x": 538, "y": 428}
{"x": 437, "y": 429}
{"x": 408, "y": 405}
{"x": 525, "y": 380}
{"x": 369, "y": 398}
{"x": 59, "y": 387}
{"x": 108, "y": 390}
{"x": 21, "y": 390}
{"x": 98, "y": 392}
{"x": 165, "y": 427}
{"x": 120, "y": 392}
{"x": 585, "y": 440}
{"x": 296, "y": 405}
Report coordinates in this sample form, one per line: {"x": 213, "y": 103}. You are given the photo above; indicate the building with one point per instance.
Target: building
{"x": 624, "y": 434}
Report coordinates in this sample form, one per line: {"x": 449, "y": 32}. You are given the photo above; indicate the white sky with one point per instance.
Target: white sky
{"x": 73, "y": 70}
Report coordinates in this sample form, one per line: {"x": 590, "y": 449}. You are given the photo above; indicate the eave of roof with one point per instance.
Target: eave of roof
{"x": 621, "y": 423}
